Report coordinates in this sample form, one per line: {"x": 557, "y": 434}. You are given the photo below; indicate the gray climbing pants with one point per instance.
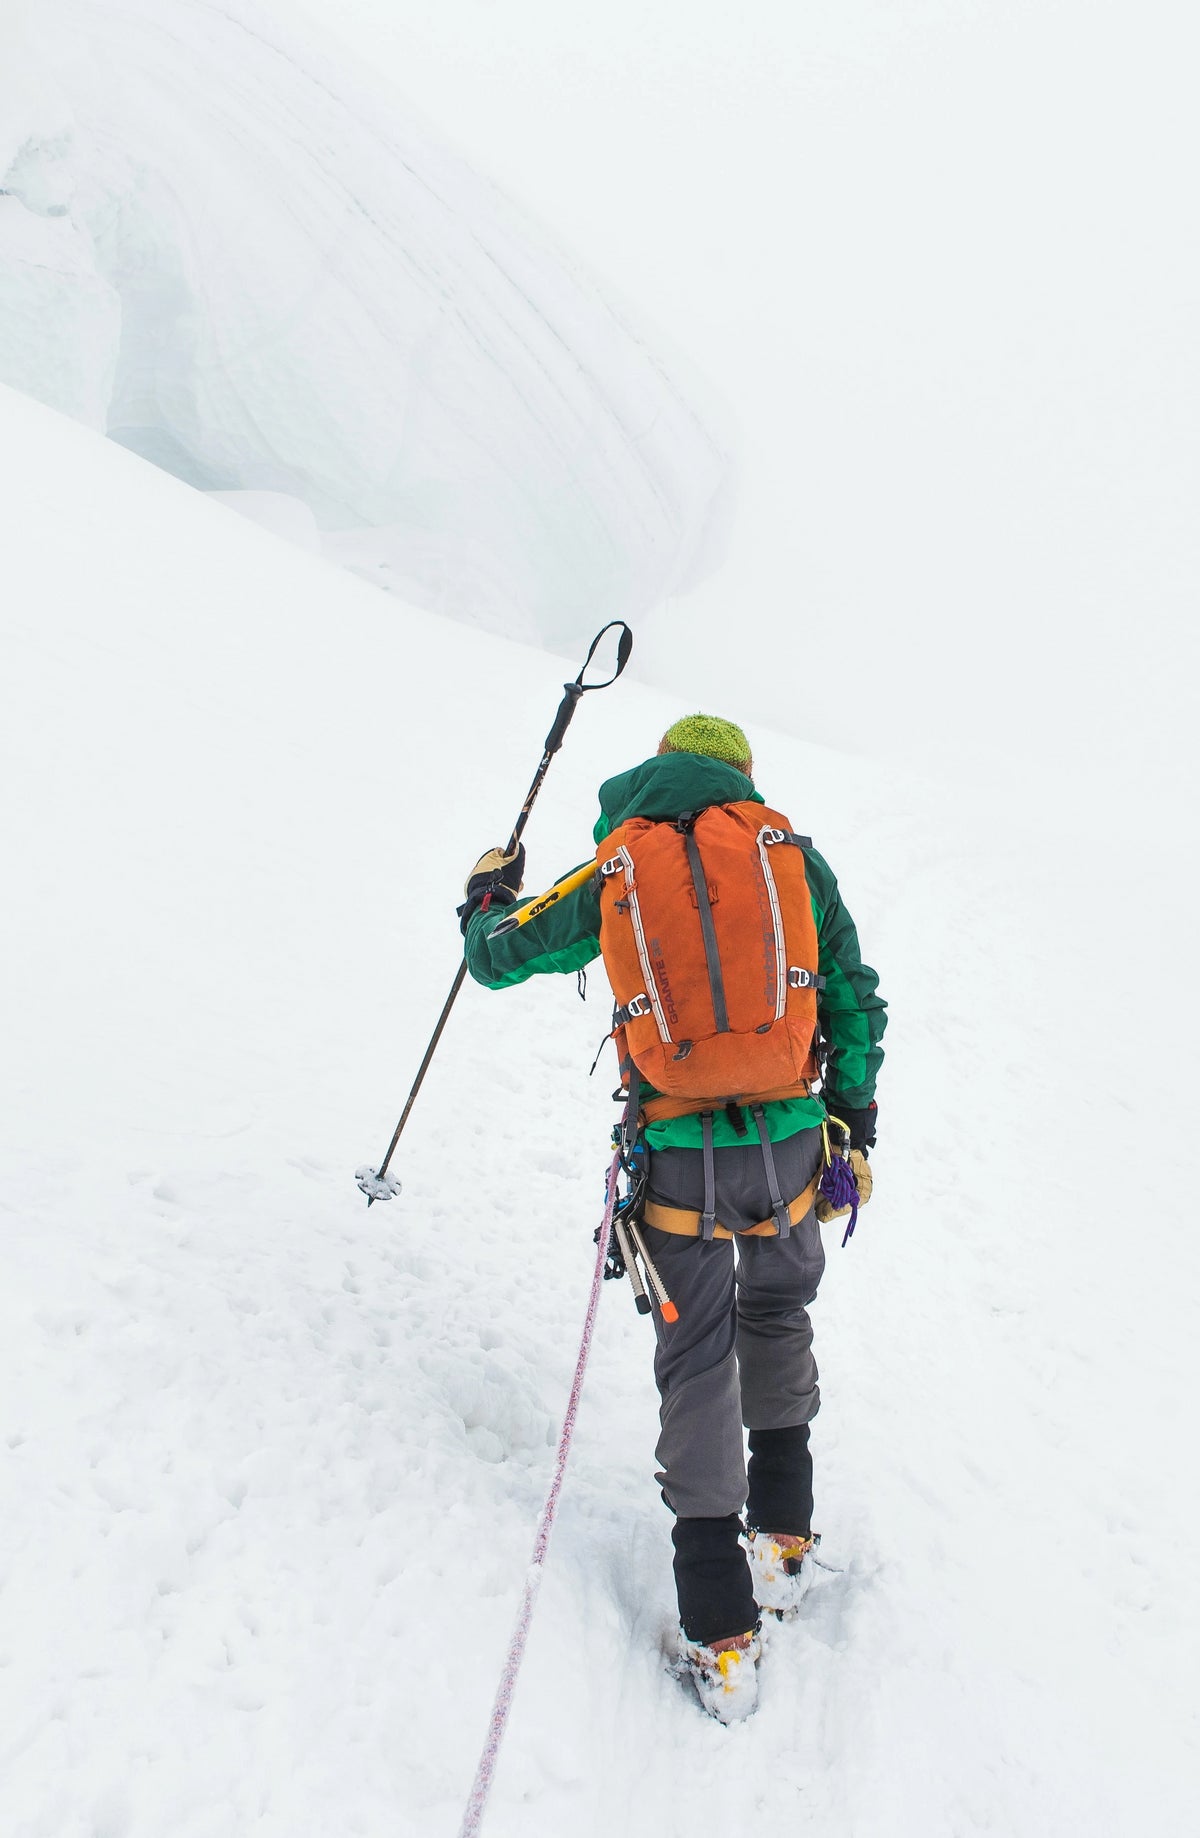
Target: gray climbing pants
{"x": 741, "y": 1350}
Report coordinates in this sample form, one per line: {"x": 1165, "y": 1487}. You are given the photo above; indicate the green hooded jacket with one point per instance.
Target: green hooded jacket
{"x": 567, "y": 936}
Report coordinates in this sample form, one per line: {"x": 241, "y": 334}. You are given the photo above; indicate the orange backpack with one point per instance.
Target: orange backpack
{"x": 709, "y": 941}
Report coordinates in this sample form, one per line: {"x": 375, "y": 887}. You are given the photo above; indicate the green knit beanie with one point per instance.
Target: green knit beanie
{"x": 711, "y": 735}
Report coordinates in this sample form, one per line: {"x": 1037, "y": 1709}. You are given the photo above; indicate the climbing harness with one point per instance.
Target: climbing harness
{"x": 626, "y": 1248}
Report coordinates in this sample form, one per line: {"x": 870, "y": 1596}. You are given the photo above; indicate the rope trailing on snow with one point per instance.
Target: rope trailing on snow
{"x": 516, "y": 1650}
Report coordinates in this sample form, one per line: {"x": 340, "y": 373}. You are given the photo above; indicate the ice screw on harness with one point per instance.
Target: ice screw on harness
{"x": 378, "y": 1184}
{"x": 628, "y": 1252}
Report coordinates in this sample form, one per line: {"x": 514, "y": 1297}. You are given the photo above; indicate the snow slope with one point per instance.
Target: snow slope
{"x": 247, "y": 259}
{"x": 272, "y": 1463}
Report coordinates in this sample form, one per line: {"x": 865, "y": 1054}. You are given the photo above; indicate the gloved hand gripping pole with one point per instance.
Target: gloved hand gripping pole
{"x": 377, "y": 1183}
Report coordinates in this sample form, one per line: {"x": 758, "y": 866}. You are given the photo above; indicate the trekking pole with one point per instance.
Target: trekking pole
{"x": 377, "y": 1183}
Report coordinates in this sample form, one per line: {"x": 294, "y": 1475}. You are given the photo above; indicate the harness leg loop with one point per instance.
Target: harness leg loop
{"x": 708, "y": 1218}
{"x": 783, "y": 1218}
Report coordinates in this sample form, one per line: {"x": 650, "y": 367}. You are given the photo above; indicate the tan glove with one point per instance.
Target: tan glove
{"x": 490, "y": 867}
{"x": 495, "y": 880}
{"x": 860, "y": 1167}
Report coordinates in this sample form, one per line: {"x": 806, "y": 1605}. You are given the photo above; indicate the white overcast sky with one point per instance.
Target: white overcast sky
{"x": 938, "y": 262}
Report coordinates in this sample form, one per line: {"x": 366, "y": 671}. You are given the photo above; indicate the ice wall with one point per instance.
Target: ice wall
{"x": 59, "y": 314}
{"x": 235, "y": 252}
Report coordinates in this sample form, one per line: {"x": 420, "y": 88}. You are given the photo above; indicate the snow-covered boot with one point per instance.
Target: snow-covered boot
{"x": 724, "y": 1674}
{"x": 781, "y": 1567}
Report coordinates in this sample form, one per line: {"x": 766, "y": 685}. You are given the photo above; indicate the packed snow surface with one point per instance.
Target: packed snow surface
{"x": 242, "y": 256}
{"x": 272, "y": 1462}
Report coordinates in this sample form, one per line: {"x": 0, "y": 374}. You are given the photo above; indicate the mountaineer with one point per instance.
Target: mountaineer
{"x": 740, "y": 988}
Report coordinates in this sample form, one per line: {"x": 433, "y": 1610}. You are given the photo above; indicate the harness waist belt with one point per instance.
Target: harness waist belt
{"x": 686, "y": 1224}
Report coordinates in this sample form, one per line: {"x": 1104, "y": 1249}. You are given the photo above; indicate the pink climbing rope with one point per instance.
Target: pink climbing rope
{"x": 516, "y": 1650}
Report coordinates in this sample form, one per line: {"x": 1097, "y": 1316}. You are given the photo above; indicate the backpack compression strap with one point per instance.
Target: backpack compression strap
{"x": 685, "y": 824}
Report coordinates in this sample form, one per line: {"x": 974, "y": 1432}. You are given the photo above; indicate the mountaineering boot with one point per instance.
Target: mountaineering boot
{"x": 724, "y": 1673}
{"x": 782, "y": 1566}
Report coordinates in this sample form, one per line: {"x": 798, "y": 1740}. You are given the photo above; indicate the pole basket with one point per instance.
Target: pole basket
{"x": 376, "y": 1186}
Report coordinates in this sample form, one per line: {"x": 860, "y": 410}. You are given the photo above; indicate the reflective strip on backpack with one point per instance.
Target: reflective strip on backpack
{"x": 765, "y": 836}
{"x": 639, "y": 935}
